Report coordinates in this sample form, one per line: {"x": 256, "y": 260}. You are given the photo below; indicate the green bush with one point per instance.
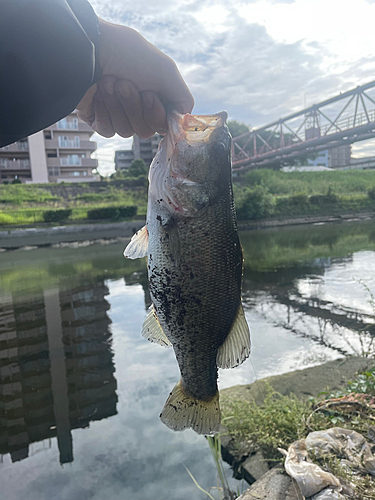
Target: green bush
{"x": 371, "y": 193}
{"x": 324, "y": 199}
{"x": 297, "y": 204}
{"x": 16, "y": 181}
{"x": 255, "y": 203}
{"x": 114, "y": 213}
{"x": 127, "y": 211}
{"x": 56, "y": 215}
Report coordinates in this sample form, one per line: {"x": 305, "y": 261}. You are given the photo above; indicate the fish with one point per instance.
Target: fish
{"x": 195, "y": 265}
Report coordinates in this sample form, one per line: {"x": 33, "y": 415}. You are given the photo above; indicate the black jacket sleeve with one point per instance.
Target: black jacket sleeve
{"x": 48, "y": 50}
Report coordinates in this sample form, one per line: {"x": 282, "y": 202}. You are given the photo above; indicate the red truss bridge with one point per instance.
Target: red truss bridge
{"x": 344, "y": 119}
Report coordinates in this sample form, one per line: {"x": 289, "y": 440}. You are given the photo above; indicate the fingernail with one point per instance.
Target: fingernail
{"x": 148, "y": 100}
{"x": 124, "y": 90}
{"x": 110, "y": 88}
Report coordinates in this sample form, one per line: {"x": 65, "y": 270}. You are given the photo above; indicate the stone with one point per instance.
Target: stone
{"x": 254, "y": 467}
{"x": 274, "y": 485}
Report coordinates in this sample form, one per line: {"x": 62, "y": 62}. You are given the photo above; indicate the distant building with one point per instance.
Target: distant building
{"x": 332, "y": 158}
{"x": 341, "y": 156}
{"x": 59, "y": 153}
{"x": 142, "y": 149}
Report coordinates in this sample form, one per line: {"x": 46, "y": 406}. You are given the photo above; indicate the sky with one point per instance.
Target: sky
{"x": 260, "y": 59}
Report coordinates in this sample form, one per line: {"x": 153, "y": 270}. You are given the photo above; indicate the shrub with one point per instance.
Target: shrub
{"x": 16, "y": 181}
{"x": 56, "y": 215}
{"x": 114, "y": 213}
{"x": 103, "y": 213}
{"x": 324, "y": 199}
{"x": 127, "y": 211}
{"x": 255, "y": 203}
{"x": 292, "y": 205}
{"x": 371, "y": 193}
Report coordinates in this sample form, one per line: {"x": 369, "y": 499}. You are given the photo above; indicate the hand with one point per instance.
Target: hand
{"x": 138, "y": 83}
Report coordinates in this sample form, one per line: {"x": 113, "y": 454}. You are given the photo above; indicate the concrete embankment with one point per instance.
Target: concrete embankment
{"x": 48, "y": 236}
{"x": 13, "y": 238}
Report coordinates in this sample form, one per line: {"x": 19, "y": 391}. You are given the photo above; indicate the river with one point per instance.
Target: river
{"x": 81, "y": 390}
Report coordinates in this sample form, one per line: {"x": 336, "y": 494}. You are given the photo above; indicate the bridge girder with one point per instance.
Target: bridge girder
{"x": 326, "y": 125}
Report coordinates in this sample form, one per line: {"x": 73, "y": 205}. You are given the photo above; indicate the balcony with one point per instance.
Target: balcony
{"x": 16, "y": 146}
{"x": 82, "y": 127}
{"x": 15, "y": 165}
{"x": 64, "y": 162}
{"x": 51, "y": 143}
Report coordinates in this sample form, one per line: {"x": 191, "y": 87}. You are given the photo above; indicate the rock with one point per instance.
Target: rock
{"x": 235, "y": 452}
{"x": 254, "y": 467}
{"x": 274, "y": 485}
{"x": 302, "y": 383}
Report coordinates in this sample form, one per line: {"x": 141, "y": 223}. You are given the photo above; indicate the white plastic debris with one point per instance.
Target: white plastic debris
{"x": 328, "y": 494}
{"x": 310, "y": 478}
{"x": 350, "y": 445}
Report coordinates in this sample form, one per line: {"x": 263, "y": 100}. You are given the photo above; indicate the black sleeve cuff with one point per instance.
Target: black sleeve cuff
{"x": 90, "y": 23}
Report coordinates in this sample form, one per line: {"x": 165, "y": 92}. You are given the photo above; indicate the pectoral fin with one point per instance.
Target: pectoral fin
{"x": 236, "y": 347}
{"x": 152, "y": 330}
{"x": 138, "y": 245}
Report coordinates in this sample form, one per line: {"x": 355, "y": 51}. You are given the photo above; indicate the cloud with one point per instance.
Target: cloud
{"x": 249, "y": 58}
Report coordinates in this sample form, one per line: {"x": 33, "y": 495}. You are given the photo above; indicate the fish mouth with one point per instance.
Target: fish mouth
{"x": 196, "y": 128}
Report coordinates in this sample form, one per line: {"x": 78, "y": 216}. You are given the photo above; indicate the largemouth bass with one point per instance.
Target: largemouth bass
{"x": 194, "y": 265}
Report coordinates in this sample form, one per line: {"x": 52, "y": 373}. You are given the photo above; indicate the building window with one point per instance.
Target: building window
{"x": 76, "y": 173}
{"x": 66, "y": 142}
{"x": 68, "y": 124}
{"x": 54, "y": 171}
{"x": 70, "y": 160}
{"x": 51, "y": 155}
{"x": 84, "y": 172}
{"x": 47, "y": 134}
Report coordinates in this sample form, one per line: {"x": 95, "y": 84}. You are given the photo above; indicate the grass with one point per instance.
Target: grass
{"x": 259, "y": 194}
{"x": 223, "y": 489}
{"x": 281, "y": 420}
{"x": 341, "y": 182}
{"x": 25, "y": 204}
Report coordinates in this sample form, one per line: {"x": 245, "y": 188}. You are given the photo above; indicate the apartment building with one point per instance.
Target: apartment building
{"x": 57, "y": 371}
{"x": 59, "y": 153}
{"x": 144, "y": 149}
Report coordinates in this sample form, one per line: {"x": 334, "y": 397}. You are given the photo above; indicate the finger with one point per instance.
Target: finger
{"x": 85, "y": 107}
{"x": 120, "y": 121}
{"x": 154, "y": 112}
{"x": 174, "y": 90}
{"x": 102, "y": 123}
{"x": 130, "y": 100}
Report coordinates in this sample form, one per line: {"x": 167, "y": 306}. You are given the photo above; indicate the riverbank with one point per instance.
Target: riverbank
{"x": 282, "y": 400}
{"x": 14, "y": 238}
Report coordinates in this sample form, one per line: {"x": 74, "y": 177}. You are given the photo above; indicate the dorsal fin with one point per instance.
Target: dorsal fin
{"x": 236, "y": 347}
{"x": 152, "y": 330}
{"x": 137, "y": 248}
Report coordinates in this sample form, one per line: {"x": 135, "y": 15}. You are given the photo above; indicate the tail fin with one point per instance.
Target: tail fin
{"x": 182, "y": 411}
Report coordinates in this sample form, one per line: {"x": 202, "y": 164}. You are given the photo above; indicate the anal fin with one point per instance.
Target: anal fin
{"x": 153, "y": 331}
{"x": 236, "y": 347}
{"x": 137, "y": 248}
{"x": 182, "y": 411}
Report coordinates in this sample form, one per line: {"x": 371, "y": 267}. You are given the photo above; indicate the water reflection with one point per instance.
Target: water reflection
{"x": 72, "y": 358}
{"x": 57, "y": 371}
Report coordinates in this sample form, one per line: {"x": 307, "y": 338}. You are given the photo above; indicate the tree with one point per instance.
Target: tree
{"x": 236, "y": 128}
{"x": 137, "y": 168}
